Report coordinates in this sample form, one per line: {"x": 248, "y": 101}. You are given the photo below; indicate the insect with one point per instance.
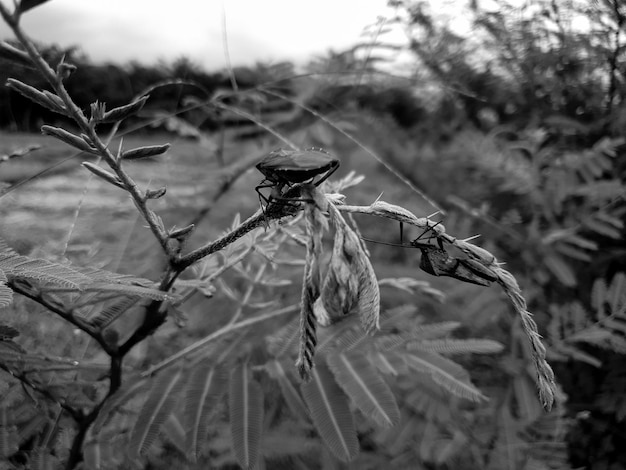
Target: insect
{"x": 436, "y": 261}
{"x": 288, "y": 167}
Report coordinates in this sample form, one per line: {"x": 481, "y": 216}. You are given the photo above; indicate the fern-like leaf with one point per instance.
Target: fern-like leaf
{"x": 8, "y": 435}
{"x": 18, "y": 267}
{"x": 112, "y": 312}
{"x": 526, "y": 398}
{"x": 107, "y": 281}
{"x": 285, "y": 340}
{"x": 457, "y": 346}
{"x": 291, "y": 395}
{"x": 164, "y": 393}
{"x": 92, "y": 454}
{"x": 206, "y": 386}
{"x": 617, "y": 294}
{"x": 32, "y": 426}
{"x": 390, "y": 362}
{"x": 288, "y": 440}
{"x": 343, "y": 335}
{"x": 359, "y": 379}
{"x": 416, "y": 333}
{"x": 509, "y": 447}
{"x": 447, "y": 374}
{"x": 129, "y": 290}
{"x": 42, "y": 459}
{"x": 331, "y": 413}
{"x": 246, "y": 416}
{"x": 174, "y": 430}
{"x": 6, "y": 294}
{"x": 560, "y": 268}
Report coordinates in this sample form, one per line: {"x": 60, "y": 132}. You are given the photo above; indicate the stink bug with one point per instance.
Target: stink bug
{"x": 436, "y": 261}
{"x": 288, "y": 167}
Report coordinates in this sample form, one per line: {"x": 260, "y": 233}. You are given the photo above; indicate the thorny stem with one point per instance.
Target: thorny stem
{"x": 261, "y": 217}
{"x": 77, "y": 115}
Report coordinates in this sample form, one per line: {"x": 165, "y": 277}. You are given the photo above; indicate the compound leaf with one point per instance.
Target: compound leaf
{"x": 331, "y": 413}
{"x": 206, "y": 386}
{"x": 369, "y": 392}
{"x": 246, "y": 416}
{"x": 163, "y": 397}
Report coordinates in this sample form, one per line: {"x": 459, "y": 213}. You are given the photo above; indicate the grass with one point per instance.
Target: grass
{"x": 41, "y": 210}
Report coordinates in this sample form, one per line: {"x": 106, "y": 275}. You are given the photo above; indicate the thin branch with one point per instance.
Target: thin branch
{"x": 77, "y": 115}
{"x": 67, "y": 315}
{"x": 273, "y": 211}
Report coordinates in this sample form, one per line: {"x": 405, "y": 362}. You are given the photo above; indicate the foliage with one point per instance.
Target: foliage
{"x": 381, "y": 382}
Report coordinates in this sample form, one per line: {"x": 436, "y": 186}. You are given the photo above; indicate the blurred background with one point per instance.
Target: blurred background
{"x": 509, "y": 116}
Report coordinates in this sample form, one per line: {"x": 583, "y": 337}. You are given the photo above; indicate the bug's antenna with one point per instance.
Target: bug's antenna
{"x": 428, "y": 229}
{"x": 386, "y": 243}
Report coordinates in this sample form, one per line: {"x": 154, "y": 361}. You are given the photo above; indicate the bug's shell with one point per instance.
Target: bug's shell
{"x": 438, "y": 262}
{"x": 296, "y": 166}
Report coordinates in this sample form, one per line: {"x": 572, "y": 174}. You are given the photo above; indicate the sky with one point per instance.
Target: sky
{"x": 150, "y": 30}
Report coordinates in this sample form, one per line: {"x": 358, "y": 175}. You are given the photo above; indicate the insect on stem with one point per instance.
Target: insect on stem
{"x": 436, "y": 261}
{"x": 285, "y": 168}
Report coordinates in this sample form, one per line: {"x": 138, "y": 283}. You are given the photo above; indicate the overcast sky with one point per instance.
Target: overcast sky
{"x": 148, "y": 30}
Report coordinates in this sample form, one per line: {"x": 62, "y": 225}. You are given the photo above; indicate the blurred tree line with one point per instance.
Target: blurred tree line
{"x": 118, "y": 84}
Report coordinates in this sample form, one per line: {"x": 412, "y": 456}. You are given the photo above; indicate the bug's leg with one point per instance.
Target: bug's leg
{"x": 262, "y": 197}
{"x": 264, "y": 184}
{"x": 328, "y": 173}
{"x": 430, "y": 229}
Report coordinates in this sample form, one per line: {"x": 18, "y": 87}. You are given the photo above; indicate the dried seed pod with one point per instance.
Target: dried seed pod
{"x": 37, "y": 96}
{"x": 181, "y": 233}
{"x": 105, "y": 175}
{"x": 97, "y": 111}
{"x": 145, "y": 152}
{"x": 123, "y": 112}
{"x": 155, "y": 193}
{"x": 13, "y": 54}
{"x": 68, "y": 138}
{"x": 350, "y": 284}
{"x": 64, "y": 70}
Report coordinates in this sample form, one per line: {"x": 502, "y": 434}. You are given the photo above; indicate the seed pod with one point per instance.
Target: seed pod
{"x": 68, "y": 138}
{"x": 37, "y": 96}
{"x": 13, "y": 54}
{"x": 64, "y": 70}
{"x": 123, "y": 112}
{"x": 105, "y": 175}
{"x": 87, "y": 139}
{"x": 155, "y": 193}
{"x": 54, "y": 98}
{"x": 145, "y": 152}
{"x": 97, "y": 111}
{"x": 181, "y": 233}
